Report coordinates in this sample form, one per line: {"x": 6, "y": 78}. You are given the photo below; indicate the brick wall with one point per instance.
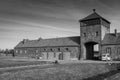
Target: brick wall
{"x": 37, "y": 52}
{"x": 114, "y": 50}
{"x": 90, "y": 36}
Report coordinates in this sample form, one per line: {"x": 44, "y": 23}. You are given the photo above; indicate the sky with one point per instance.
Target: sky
{"x": 32, "y": 19}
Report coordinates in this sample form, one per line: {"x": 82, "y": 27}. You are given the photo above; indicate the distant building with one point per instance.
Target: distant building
{"x": 95, "y": 39}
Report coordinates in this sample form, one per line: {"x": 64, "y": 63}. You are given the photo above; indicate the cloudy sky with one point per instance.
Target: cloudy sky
{"x": 31, "y": 19}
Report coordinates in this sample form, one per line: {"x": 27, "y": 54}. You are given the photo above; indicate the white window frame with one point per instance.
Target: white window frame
{"x": 21, "y": 51}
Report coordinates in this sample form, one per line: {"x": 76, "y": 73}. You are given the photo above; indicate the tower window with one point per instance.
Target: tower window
{"x": 66, "y": 49}
{"x": 52, "y": 49}
{"x": 84, "y": 34}
{"x": 58, "y": 49}
{"x": 45, "y": 49}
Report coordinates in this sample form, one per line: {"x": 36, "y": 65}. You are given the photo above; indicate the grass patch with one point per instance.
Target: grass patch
{"x": 103, "y": 76}
{"x": 9, "y": 62}
{"x": 73, "y": 71}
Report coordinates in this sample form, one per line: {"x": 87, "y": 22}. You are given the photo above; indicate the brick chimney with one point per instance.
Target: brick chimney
{"x": 115, "y": 32}
{"x": 94, "y": 10}
{"x": 39, "y": 39}
{"x": 25, "y": 40}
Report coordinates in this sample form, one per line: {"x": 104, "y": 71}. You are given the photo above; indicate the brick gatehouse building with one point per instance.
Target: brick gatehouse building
{"x": 95, "y": 39}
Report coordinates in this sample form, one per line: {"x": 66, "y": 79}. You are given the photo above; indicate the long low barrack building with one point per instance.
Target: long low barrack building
{"x": 65, "y": 48}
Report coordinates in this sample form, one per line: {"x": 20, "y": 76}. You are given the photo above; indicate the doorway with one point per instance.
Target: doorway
{"x": 61, "y": 56}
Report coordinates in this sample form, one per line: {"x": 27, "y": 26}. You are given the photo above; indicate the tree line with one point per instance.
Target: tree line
{"x": 7, "y": 52}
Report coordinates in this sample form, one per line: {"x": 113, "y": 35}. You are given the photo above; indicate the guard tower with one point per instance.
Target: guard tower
{"x": 92, "y": 30}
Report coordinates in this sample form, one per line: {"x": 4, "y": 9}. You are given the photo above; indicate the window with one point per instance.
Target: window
{"x": 66, "y": 49}
{"x": 108, "y": 50}
{"x": 51, "y": 49}
{"x": 16, "y": 51}
{"x": 96, "y": 34}
{"x": 25, "y": 51}
{"x": 118, "y": 50}
{"x": 47, "y": 55}
{"x": 43, "y": 49}
{"x": 84, "y": 34}
{"x": 36, "y": 51}
{"x": 20, "y": 51}
{"x": 58, "y": 49}
{"x": 54, "y": 55}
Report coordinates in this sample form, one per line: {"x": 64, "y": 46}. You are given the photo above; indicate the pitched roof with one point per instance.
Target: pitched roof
{"x": 111, "y": 39}
{"x": 63, "y": 41}
{"x": 94, "y": 15}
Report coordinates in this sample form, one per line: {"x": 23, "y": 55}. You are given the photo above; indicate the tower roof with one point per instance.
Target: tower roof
{"x": 94, "y": 15}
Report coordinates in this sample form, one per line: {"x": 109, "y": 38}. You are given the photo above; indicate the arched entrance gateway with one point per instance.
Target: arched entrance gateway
{"x": 92, "y": 50}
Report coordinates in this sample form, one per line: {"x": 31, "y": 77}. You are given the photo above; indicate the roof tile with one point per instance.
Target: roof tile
{"x": 64, "y": 41}
{"x": 111, "y": 38}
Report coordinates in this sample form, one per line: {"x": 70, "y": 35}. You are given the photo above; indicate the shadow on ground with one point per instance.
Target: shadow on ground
{"x": 103, "y": 76}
